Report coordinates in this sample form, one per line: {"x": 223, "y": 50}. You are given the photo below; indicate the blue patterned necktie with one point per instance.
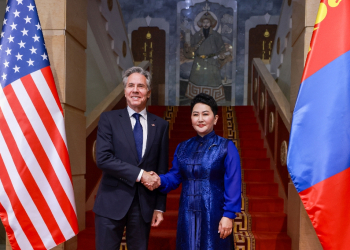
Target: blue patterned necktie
{"x": 138, "y": 135}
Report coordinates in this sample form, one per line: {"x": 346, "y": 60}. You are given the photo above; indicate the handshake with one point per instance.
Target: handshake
{"x": 150, "y": 180}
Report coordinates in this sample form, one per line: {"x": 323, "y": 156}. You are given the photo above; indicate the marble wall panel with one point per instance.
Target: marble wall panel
{"x": 75, "y": 73}
{"x": 76, "y": 16}
{"x": 308, "y": 237}
{"x": 299, "y": 54}
{"x": 304, "y": 15}
{"x": 55, "y": 45}
{"x": 79, "y": 194}
{"x": 293, "y": 218}
{"x": 52, "y": 14}
{"x": 76, "y": 136}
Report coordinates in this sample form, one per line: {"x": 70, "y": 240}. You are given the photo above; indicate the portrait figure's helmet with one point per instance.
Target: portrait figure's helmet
{"x": 209, "y": 17}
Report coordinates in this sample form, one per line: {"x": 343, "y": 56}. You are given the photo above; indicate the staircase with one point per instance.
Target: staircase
{"x": 268, "y": 221}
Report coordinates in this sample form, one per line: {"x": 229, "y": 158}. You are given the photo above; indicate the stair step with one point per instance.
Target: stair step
{"x": 242, "y": 121}
{"x": 86, "y": 239}
{"x": 252, "y": 143}
{"x": 269, "y": 222}
{"x": 255, "y": 163}
{"x": 268, "y": 241}
{"x": 258, "y": 175}
{"x": 261, "y": 189}
{"x": 172, "y": 202}
{"x": 249, "y": 135}
{"x": 250, "y": 127}
{"x": 253, "y": 152}
{"x": 264, "y": 204}
{"x": 247, "y": 115}
{"x": 170, "y": 220}
{"x": 162, "y": 239}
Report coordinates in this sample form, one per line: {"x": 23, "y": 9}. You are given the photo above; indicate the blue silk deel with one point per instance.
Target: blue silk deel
{"x": 209, "y": 169}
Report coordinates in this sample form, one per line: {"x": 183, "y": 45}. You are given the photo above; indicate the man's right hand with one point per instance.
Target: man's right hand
{"x": 151, "y": 180}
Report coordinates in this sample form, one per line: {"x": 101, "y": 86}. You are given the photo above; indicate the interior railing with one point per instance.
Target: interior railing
{"x": 273, "y": 112}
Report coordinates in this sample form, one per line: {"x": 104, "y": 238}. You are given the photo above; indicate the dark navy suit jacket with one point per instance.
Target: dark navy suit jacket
{"x": 116, "y": 155}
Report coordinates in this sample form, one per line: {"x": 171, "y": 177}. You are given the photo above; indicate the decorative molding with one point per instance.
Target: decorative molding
{"x": 186, "y": 4}
{"x": 271, "y": 122}
{"x": 116, "y": 32}
{"x": 94, "y": 151}
{"x": 255, "y": 85}
{"x": 252, "y": 22}
{"x": 284, "y": 151}
{"x": 162, "y": 24}
{"x": 148, "y": 20}
{"x": 275, "y": 92}
{"x": 262, "y": 101}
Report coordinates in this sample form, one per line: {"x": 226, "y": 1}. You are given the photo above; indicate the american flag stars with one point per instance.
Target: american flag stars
{"x": 21, "y": 44}
{"x": 16, "y": 13}
{"x": 30, "y": 62}
{"x": 18, "y": 56}
{"x": 21, "y": 48}
{"x": 24, "y": 32}
{"x": 27, "y": 19}
{"x": 36, "y": 191}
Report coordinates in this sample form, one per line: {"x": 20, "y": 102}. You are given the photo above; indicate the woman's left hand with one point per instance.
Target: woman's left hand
{"x": 225, "y": 227}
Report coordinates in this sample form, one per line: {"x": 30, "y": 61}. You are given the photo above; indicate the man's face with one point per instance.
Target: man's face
{"x": 206, "y": 23}
{"x": 136, "y": 92}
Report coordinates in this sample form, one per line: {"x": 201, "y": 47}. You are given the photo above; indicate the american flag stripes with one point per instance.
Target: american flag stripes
{"x": 37, "y": 204}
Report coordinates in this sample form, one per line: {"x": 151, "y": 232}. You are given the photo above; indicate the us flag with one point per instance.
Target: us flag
{"x": 37, "y": 204}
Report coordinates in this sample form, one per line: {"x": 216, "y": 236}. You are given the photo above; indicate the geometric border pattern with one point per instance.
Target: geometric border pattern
{"x": 243, "y": 236}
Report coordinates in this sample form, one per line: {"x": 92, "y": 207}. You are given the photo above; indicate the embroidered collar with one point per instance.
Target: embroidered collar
{"x": 206, "y": 137}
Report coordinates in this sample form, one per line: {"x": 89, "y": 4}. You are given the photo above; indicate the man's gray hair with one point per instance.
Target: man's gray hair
{"x": 139, "y": 70}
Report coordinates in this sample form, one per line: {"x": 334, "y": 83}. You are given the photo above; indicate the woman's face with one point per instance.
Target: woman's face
{"x": 203, "y": 119}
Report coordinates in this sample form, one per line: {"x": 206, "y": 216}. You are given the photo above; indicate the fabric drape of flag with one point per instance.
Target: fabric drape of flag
{"x": 319, "y": 150}
{"x": 37, "y": 204}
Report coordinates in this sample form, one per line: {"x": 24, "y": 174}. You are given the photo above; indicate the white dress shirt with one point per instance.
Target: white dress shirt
{"x": 143, "y": 121}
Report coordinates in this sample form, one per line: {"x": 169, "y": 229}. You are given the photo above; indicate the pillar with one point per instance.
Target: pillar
{"x": 304, "y": 15}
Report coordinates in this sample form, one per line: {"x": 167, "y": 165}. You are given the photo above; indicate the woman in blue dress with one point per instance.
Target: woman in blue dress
{"x": 208, "y": 166}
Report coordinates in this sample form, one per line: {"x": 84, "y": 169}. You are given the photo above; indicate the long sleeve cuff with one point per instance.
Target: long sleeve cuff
{"x": 140, "y": 175}
{"x": 230, "y": 215}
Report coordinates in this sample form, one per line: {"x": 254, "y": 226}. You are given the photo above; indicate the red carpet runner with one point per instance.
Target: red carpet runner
{"x": 263, "y": 220}
{"x": 268, "y": 222}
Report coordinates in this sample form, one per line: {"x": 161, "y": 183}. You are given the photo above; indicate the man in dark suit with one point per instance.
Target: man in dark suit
{"x": 132, "y": 148}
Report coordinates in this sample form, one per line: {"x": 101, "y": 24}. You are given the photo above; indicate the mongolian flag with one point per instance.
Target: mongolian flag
{"x": 319, "y": 150}
{"x": 37, "y": 204}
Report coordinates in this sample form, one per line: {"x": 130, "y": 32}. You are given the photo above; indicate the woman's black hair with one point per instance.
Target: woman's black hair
{"x": 205, "y": 99}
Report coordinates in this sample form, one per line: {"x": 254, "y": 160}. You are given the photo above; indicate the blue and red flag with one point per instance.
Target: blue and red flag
{"x": 37, "y": 205}
{"x": 319, "y": 150}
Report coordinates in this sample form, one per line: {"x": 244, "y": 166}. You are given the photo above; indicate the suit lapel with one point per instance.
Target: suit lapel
{"x": 152, "y": 128}
{"x": 127, "y": 128}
